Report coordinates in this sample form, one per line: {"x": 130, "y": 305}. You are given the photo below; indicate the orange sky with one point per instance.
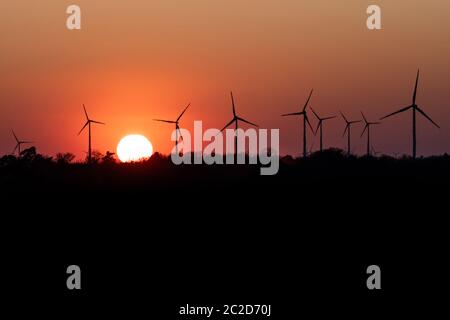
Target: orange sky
{"x": 136, "y": 60}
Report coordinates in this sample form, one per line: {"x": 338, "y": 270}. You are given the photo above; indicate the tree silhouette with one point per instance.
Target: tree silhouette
{"x": 97, "y": 156}
{"x": 64, "y": 158}
{"x": 28, "y": 155}
{"x": 109, "y": 158}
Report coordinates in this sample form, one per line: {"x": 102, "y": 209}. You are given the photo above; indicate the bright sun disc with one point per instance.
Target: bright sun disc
{"x": 134, "y": 147}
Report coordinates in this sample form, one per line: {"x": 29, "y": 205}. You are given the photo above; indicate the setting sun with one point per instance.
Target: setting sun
{"x": 134, "y": 147}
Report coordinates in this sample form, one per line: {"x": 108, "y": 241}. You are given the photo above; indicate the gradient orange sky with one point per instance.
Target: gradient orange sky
{"x": 136, "y": 60}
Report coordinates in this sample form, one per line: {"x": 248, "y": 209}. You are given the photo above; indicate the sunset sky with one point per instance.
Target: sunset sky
{"x": 136, "y": 60}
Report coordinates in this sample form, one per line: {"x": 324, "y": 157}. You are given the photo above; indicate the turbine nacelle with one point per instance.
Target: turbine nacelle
{"x": 176, "y": 122}
{"x": 414, "y": 106}
{"x": 19, "y": 142}
{"x": 320, "y": 119}
{"x": 88, "y": 121}
{"x": 236, "y": 118}
{"x": 305, "y": 120}
{"x": 348, "y": 123}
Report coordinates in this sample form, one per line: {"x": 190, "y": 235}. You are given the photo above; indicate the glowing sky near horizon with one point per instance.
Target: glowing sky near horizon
{"x": 136, "y": 60}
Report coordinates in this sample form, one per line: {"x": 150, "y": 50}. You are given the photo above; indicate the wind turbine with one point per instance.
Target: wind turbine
{"x": 414, "y": 108}
{"x": 19, "y": 143}
{"x": 88, "y": 124}
{"x": 235, "y": 120}
{"x": 348, "y": 130}
{"x": 320, "y": 125}
{"x": 177, "y": 127}
{"x": 375, "y": 152}
{"x": 367, "y": 126}
{"x": 305, "y": 121}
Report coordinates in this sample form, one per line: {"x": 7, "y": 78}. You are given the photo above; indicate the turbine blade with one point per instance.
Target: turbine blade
{"x": 228, "y": 124}
{"x": 232, "y": 103}
{"x": 85, "y": 112}
{"x": 318, "y": 126}
{"x": 293, "y": 114}
{"x": 328, "y": 118}
{"x": 415, "y": 88}
{"x": 15, "y": 137}
{"x": 317, "y": 116}
{"x": 343, "y": 116}
{"x": 364, "y": 117}
{"x": 97, "y": 122}
{"x": 307, "y": 101}
{"x": 243, "y": 120}
{"x": 345, "y": 130}
{"x": 87, "y": 122}
{"x": 183, "y": 112}
{"x": 179, "y": 131}
{"x": 426, "y": 116}
{"x": 366, "y": 126}
{"x": 309, "y": 123}
{"x": 393, "y": 113}
{"x": 357, "y": 121}
{"x": 167, "y": 121}
{"x": 17, "y": 146}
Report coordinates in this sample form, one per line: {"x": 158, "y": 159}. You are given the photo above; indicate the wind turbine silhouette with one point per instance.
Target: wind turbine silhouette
{"x": 19, "y": 143}
{"x": 177, "y": 127}
{"x": 235, "y": 120}
{"x": 414, "y": 108}
{"x": 88, "y": 124}
{"x": 375, "y": 152}
{"x": 305, "y": 121}
{"x": 348, "y": 130}
{"x": 367, "y": 127}
{"x": 320, "y": 125}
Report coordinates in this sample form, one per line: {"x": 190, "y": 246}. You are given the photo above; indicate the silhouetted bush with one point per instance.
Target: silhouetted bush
{"x": 64, "y": 158}
{"x": 109, "y": 158}
{"x": 34, "y": 172}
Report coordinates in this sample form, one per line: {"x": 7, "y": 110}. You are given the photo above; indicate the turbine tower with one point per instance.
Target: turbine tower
{"x": 367, "y": 127}
{"x": 414, "y": 108}
{"x": 19, "y": 143}
{"x": 88, "y": 124}
{"x": 348, "y": 131}
{"x": 235, "y": 120}
{"x": 177, "y": 126}
{"x": 320, "y": 126}
{"x": 305, "y": 121}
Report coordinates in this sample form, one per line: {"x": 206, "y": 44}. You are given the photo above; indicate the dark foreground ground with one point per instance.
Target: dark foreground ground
{"x": 151, "y": 237}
